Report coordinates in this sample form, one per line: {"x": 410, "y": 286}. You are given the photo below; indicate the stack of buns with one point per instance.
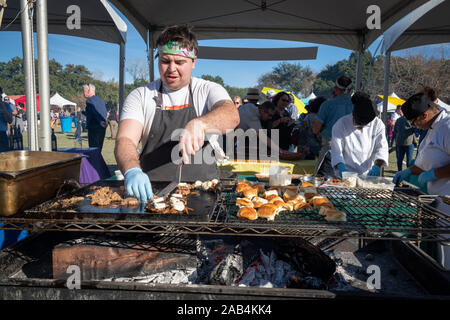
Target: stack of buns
{"x": 258, "y": 202}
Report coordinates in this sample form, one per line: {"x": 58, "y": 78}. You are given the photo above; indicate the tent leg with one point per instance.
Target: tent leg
{"x": 358, "y": 70}
{"x": 387, "y": 66}
{"x": 151, "y": 59}
{"x": 29, "y": 74}
{"x": 121, "y": 75}
{"x": 44, "y": 83}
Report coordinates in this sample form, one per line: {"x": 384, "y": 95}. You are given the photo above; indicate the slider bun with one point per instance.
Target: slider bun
{"x": 310, "y": 195}
{"x": 258, "y": 202}
{"x": 260, "y": 186}
{"x": 268, "y": 211}
{"x": 269, "y": 193}
{"x": 247, "y": 213}
{"x": 250, "y": 192}
{"x": 319, "y": 201}
{"x": 335, "y": 216}
{"x": 244, "y": 202}
{"x": 288, "y": 206}
{"x": 241, "y": 185}
{"x": 299, "y": 205}
{"x": 275, "y": 199}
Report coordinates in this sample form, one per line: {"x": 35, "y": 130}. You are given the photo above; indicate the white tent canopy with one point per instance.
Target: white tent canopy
{"x": 311, "y": 96}
{"x": 391, "y": 107}
{"x": 57, "y": 100}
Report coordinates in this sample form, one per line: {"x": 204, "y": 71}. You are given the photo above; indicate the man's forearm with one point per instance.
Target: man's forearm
{"x": 223, "y": 117}
{"x": 126, "y": 154}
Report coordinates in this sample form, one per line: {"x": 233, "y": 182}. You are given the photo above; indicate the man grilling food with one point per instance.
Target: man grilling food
{"x": 171, "y": 116}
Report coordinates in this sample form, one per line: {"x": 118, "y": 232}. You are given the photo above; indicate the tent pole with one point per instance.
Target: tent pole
{"x": 387, "y": 66}
{"x": 358, "y": 70}
{"x": 28, "y": 73}
{"x": 44, "y": 83}
{"x": 151, "y": 59}
{"x": 121, "y": 75}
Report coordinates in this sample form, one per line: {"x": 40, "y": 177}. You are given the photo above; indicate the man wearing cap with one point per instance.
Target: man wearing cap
{"x": 171, "y": 115}
{"x": 358, "y": 141}
{"x": 433, "y": 156}
{"x": 330, "y": 112}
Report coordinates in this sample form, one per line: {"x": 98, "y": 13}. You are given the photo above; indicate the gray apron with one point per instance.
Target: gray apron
{"x": 156, "y": 157}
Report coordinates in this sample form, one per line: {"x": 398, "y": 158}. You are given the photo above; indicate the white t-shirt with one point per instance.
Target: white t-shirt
{"x": 395, "y": 116}
{"x": 434, "y": 152}
{"x": 358, "y": 149}
{"x": 140, "y": 104}
{"x": 249, "y": 117}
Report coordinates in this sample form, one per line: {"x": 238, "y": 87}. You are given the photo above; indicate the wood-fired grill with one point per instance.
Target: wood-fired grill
{"x": 371, "y": 214}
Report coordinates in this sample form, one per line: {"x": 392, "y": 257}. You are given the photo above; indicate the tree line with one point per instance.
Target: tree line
{"x": 408, "y": 73}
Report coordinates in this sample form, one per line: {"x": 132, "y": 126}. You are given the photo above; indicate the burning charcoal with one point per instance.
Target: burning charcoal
{"x": 227, "y": 271}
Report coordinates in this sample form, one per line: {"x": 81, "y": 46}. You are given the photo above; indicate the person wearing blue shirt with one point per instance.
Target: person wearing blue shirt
{"x": 95, "y": 117}
{"x": 329, "y": 113}
{"x": 5, "y": 118}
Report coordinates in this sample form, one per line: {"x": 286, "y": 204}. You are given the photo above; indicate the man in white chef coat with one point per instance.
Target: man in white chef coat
{"x": 358, "y": 142}
{"x": 433, "y": 156}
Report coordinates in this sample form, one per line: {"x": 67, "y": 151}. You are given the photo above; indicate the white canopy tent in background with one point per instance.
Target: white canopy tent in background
{"x": 57, "y": 100}
{"x": 330, "y": 22}
{"x": 311, "y": 96}
{"x": 99, "y": 21}
{"x": 427, "y": 24}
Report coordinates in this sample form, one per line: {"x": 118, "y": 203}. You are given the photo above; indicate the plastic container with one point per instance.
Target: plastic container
{"x": 375, "y": 182}
{"x": 119, "y": 175}
{"x": 279, "y": 176}
{"x": 350, "y": 179}
{"x": 66, "y": 124}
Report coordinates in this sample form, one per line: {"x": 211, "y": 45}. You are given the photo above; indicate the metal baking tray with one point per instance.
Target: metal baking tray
{"x": 28, "y": 178}
{"x": 202, "y": 203}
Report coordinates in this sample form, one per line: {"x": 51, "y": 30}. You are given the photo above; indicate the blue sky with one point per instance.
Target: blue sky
{"x": 102, "y": 58}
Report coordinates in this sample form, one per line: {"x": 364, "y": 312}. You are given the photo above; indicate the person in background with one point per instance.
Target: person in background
{"x": 6, "y": 117}
{"x": 405, "y": 140}
{"x": 270, "y": 94}
{"x": 112, "y": 123}
{"x": 330, "y": 112}
{"x": 432, "y": 163}
{"x": 237, "y": 101}
{"x": 292, "y": 108}
{"x": 309, "y": 142}
{"x": 282, "y": 120}
{"x": 79, "y": 120}
{"x": 95, "y": 117}
{"x": 358, "y": 141}
{"x": 391, "y": 123}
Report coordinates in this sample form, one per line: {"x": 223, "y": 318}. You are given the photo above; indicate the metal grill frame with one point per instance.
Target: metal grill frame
{"x": 219, "y": 224}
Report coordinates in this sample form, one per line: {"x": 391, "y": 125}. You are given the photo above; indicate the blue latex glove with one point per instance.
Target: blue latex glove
{"x": 138, "y": 184}
{"x": 426, "y": 177}
{"x": 341, "y": 168}
{"x": 401, "y": 175}
{"x": 375, "y": 171}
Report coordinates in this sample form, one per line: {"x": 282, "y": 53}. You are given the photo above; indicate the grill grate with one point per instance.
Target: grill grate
{"x": 371, "y": 214}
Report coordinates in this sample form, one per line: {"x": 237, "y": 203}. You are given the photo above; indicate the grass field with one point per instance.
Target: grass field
{"x": 66, "y": 140}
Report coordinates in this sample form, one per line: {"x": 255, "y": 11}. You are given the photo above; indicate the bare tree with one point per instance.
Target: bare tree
{"x": 138, "y": 69}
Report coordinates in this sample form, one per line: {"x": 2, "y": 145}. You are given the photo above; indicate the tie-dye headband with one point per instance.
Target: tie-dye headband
{"x": 175, "y": 48}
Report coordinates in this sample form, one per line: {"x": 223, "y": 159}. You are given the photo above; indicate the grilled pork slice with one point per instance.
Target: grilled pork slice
{"x": 250, "y": 192}
{"x": 247, "y": 213}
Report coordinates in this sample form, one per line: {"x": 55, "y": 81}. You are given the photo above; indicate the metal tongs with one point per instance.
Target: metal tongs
{"x": 220, "y": 155}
